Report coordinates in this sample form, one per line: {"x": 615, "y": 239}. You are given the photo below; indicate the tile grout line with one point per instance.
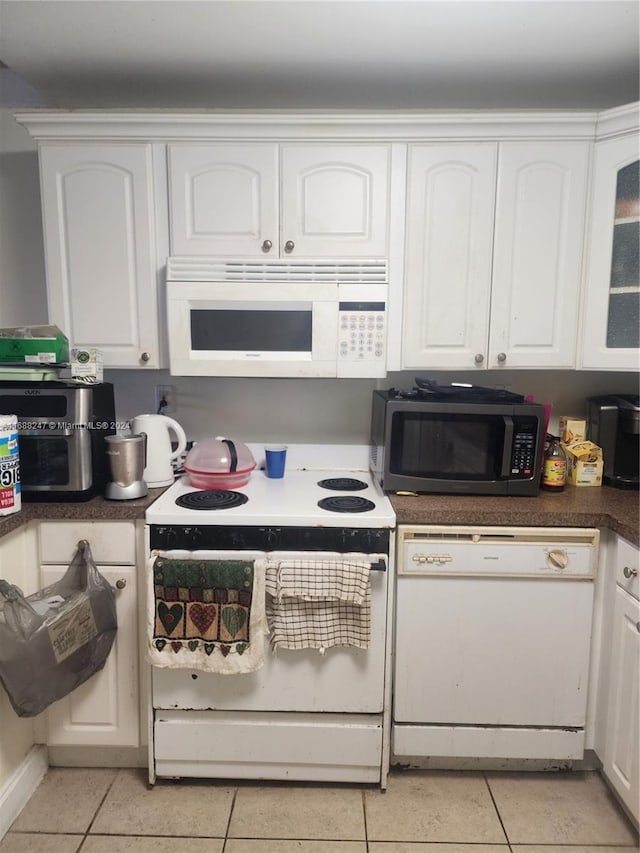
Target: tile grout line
{"x": 364, "y": 816}
{"x": 95, "y": 814}
{"x": 228, "y": 827}
{"x": 495, "y": 805}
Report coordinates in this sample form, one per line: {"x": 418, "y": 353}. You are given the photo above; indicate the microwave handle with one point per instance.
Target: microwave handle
{"x": 507, "y": 452}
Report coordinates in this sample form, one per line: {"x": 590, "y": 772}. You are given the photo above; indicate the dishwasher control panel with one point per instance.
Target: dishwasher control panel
{"x": 513, "y": 552}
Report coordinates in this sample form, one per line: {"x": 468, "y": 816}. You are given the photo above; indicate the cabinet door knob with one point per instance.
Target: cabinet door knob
{"x": 479, "y": 358}
{"x": 289, "y": 246}
{"x": 145, "y": 356}
{"x": 502, "y": 357}
{"x": 121, "y": 583}
{"x": 267, "y": 246}
{"x": 629, "y": 573}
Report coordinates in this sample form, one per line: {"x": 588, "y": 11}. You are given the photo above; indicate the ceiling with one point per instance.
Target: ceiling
{"x": 322, "y": 54}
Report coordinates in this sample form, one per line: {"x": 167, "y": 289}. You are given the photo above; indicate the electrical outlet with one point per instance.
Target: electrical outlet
{"x": 165, "y": 403}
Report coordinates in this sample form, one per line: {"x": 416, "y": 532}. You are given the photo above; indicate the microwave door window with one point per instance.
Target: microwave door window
{"x": 449, "y": 447}
{"x": 252, "y": 329}
{"x": 44, "y": 461}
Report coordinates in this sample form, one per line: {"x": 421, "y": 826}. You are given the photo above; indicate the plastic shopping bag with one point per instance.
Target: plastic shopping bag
{"x": 54, "y": 640}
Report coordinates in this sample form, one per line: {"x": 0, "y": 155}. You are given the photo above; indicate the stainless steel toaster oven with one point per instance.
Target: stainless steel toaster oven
{"x": 61, "y": 432}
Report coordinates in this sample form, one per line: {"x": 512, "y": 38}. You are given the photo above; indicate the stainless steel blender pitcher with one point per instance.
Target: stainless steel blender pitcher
{"x": 127, "y": 458}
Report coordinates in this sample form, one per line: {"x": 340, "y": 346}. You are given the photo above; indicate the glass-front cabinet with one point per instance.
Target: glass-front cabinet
{"x": 611, "y": 327}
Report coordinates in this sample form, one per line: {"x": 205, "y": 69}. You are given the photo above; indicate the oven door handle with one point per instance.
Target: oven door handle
{"x": 379, "y": 566}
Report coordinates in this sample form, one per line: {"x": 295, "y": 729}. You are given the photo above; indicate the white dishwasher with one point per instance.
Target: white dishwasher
{"x": 492, "y": 641}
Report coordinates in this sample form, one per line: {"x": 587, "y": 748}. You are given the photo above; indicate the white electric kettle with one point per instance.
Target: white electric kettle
{"x": 159, "y": 470}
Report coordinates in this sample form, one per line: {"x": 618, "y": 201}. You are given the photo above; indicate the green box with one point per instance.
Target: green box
{"x": 33, "y": 345}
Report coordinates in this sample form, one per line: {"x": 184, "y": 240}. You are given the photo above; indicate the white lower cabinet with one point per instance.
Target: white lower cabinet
{"x": 105, "y": 710}
{"x": 621, "y": 748}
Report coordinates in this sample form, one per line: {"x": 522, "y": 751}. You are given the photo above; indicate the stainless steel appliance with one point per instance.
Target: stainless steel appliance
{"x": 127, "y": 455}
{"x": 61, "y": 432}
{"x": 303, "y": 715}
{"x": 493, "y": 637}
{"x": 276, "y": 317}
{"x": 456, "y": 439}
{"x": 614, "y": 425}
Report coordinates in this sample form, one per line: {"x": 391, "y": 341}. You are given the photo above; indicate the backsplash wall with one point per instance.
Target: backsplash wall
{"x": 331, "y": 411}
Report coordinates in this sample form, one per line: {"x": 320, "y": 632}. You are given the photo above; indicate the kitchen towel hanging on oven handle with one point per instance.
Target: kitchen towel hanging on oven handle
{"x": 319, "y": 603}
{"x": 206, "y": 613}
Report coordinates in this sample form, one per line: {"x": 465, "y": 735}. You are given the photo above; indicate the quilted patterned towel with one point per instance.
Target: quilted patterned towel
{"x": 318, "y": 604}
{"x": 205, "y": 613}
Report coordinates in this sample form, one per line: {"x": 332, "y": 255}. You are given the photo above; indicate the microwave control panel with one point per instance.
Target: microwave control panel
{"x": 523, "y": 457}
{"x": 362, "y": 338}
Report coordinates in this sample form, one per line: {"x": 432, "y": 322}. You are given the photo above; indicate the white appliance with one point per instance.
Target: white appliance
{"x": 276, "y": 317}
{"x": 303, "y": 715}
{"x": 492, "y": 642}
{"x": 159, "y": 454}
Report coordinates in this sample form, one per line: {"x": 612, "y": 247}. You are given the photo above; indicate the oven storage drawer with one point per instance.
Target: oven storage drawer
{"x": 245, "y": 745}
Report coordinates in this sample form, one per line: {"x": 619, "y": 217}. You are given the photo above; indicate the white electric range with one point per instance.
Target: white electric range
{"x": 303, "y": 715}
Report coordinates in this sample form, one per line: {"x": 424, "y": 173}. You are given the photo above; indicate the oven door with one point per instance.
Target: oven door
{"x": 342, "y": 680}
{"x": 285, "y": 329}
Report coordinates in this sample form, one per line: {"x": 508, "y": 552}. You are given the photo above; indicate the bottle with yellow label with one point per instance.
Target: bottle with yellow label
{"x": 554, "y": 470}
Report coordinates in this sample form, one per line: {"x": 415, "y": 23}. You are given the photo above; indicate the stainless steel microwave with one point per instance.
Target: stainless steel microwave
{"x": 467, "y": 443}
{"x": 276, "y": 317}
{"x": 61, "y": 430}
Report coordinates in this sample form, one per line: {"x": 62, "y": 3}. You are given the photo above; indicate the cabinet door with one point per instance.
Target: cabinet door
{"x": 223, "y": 199}
{"x": 611, "y": 321}
{"x": 622, "y": 746}
{"x": 537, "y": 254}
{"x": 334, "y": 200}
{"x": 104, "y": 711}
{"x": 450, "y": 210}
{"x": 102, "y": 274}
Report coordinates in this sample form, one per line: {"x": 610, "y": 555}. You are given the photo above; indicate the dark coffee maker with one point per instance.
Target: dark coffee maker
{"x": 614, "y": 425}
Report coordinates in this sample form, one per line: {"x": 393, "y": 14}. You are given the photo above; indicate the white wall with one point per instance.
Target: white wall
{"x": 22, "y": 275}
{"x": 331, "y": 411}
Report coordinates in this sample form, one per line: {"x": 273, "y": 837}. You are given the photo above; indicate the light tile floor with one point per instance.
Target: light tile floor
{"x": 113, "y": 811}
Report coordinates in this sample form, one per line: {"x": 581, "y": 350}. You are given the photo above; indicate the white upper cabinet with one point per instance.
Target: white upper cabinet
{"x": 223, "y": 199}
{"x": 611, "y": 321}
{"x": 537, "y": 259}
{"x": 486, "y": 286}
{"x": 98, "y": 207}
{"x": 450, "y": 208}
{"x": 307, "y": 201}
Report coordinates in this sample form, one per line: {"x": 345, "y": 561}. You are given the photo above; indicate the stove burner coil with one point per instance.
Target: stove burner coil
{"x": 346, "y": 503}
{"x": 211, "y": 499}
{"x": 343, "y": 484}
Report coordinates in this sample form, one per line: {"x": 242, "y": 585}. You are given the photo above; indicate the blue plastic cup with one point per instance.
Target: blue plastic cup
{"x": 275, "y": 457}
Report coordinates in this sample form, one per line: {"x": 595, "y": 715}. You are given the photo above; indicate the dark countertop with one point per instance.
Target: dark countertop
{"x": 616, "y": 509}
{"x": 96, "y": 509}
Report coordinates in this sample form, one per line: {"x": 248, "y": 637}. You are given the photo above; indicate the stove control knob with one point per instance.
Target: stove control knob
{"x": 195, "y": 537}
{"x": 271, "y": 538}
{"x": 170, "y": 537}
{"x": 343, "y": 540}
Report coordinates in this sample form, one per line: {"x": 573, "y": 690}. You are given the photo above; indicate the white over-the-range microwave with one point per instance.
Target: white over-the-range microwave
{"x": 271, "y": 317}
